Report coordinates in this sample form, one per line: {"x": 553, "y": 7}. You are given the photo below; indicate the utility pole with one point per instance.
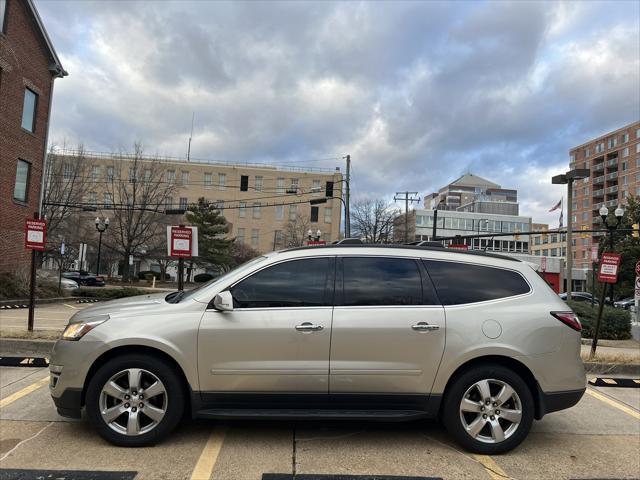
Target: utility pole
{"x": 347, "y": 213}
{"x": 408, "y": 197}
{"x": 193, "y": 116}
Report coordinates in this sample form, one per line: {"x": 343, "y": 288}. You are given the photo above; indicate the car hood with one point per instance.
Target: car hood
{"x": 129, "y": 305}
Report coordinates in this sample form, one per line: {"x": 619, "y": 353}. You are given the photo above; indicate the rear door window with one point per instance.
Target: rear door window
{"x": 381, "y": 281}
{"x": 459, "y": 283}
{"x": 298, "y": 283}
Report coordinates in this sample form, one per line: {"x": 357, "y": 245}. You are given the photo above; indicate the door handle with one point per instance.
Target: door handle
{"x": 308, "y": 327}
{"x": 425, "y": 327}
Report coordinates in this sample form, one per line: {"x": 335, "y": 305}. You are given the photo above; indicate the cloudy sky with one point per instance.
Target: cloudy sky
{"x": 416, "y": 92}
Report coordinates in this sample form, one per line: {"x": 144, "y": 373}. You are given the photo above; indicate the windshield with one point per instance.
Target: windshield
{"x": 180, "y": 296}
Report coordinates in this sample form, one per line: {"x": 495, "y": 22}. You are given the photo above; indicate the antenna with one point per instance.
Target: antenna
{"x": 193, "y": 115}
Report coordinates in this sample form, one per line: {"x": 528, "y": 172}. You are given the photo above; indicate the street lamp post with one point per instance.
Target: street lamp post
{"x": 314, "y": 237}
{"x": 435, "y": 221}
{"x": 101, "y": 225}
{"x": 604, "y": 214}
{"x": 568, "y": 178}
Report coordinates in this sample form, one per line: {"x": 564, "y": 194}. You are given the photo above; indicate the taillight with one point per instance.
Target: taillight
{"x": 570, "y": 319}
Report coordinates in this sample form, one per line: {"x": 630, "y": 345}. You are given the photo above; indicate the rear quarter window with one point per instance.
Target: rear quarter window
{"x": 459, "y": 283}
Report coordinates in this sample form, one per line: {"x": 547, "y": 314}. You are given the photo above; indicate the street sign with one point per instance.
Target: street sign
{"x": 315, "y": 243}
{"x": 609, "y": 267}
{"x": 194, "y": 240}
{"x": 543, "y": 264}
{"x": 35, "y": 234}
{"x": 180, "y": 242}
{"x": 594, "y": 254}
{"x": 638, "y": 269}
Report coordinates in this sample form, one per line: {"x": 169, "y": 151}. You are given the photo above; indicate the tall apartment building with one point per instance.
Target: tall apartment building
{"x": 614, "y": 161}
{"x": 28, "y": 66}
{"x": 257, "y": 200}
{"x": 471, "y": 193}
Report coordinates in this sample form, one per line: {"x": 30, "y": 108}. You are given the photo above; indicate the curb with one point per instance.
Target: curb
{"x": 14, "y": 304}
{"x": 42, "y": 347}
{"x": 612, "y": 368}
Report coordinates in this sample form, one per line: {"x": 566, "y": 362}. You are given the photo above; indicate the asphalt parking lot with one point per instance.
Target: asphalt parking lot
{"x": 598, "y": 438}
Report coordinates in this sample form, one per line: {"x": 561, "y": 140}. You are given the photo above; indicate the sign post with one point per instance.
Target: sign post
{"x": 182, "y": 243}
{"x": 607, "y": 273}
{"x": 35, "y": 236}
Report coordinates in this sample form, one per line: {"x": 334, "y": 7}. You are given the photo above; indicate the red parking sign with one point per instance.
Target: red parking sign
{"x": 609, "y": 267}
{"x": 180, "y": 242}
{"x": 35, "y": 234}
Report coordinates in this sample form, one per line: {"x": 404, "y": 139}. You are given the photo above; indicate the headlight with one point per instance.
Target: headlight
{"x": 75, "y": 331}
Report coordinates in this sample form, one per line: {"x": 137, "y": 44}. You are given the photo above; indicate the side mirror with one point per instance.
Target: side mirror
{"x": 223, "y": 302}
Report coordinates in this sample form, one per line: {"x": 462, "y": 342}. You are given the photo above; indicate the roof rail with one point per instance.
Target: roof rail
{"x": 348, "y": 241}
{"x": 426, "y": 243}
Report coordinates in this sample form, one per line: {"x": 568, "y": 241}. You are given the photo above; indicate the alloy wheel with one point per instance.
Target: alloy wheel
{"x": 133, "y": 401}
{"x": 490, "y": 411}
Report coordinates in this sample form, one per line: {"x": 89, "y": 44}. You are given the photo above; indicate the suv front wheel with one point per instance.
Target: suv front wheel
{"x": 488, "y": 410}
{"x": 135, "y": 400}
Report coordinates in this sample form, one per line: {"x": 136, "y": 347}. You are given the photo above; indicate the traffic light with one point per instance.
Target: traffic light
{"x": 328, "y": 191}
{"x": 636, "y": 230}
{"x": 584, "y": 235}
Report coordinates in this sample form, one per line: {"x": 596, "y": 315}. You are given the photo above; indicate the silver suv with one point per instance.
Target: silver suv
{"x": 359, "y": 332}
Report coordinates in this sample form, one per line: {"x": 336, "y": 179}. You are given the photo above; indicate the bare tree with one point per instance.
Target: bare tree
{"x": 296, "y": 231}
{"x": 372, "y": 220}
{"x": 67, "y": 181}
{"x": 138, "y": 193}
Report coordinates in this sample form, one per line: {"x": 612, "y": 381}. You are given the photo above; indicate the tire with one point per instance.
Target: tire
{"x": 486, "y": 421}
{"x": 113, "y": 402}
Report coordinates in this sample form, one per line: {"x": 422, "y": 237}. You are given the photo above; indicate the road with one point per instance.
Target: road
{"x": 598, "y": 438}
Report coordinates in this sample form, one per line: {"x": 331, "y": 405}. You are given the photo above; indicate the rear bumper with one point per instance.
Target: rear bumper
{"x": 555, "y": 401}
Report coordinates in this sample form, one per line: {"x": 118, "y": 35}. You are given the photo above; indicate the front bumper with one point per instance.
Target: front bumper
{"x": 69, "y": 404}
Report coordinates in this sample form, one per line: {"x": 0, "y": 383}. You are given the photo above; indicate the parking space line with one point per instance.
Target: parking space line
{"x": 70, "y": 306}
{"x": 209, "y": 455}
{"x": 25, "y": 391}
{"x": 492, "y": 468}
{"x": 614, "y": 403}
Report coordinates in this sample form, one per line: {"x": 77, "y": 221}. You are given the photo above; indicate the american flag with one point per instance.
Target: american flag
{"x": 557, "y": 206}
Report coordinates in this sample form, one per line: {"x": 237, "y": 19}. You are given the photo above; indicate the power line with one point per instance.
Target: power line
{"x": 409, "y": 197}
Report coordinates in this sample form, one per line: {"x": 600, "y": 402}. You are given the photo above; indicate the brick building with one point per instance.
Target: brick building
{"x": 28, "y": 67}
{"x": 614, "y": 161}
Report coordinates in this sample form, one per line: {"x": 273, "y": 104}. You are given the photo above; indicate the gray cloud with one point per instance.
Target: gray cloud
{"x": 417, "y": 92}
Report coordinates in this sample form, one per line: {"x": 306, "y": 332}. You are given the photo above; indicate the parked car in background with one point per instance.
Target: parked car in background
{"x": 579, "y": 297}
{"x": 84, "y": 278}
{"x": 68, "y": 284}
{"x": 626, "y": 303}
{"x": 333, "y": 332}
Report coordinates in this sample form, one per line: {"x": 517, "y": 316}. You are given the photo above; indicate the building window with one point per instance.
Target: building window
{"x": 545, "y": 252}
{"x": 207, "y": 179}
{"x": 255, "y": 237}
{"x": 258, "y": 183}
{"x": 107, "y": 199}
{"x": 93, "y": 198}
{"x": 624, "y": 166}
{"x": 183, "y": 203}
{"x": 624, "y": 180}
{"x": 242, "y": 209}
{"x": 294, "y": 185}
{"x": 585, "y": 216}
{"x": 21, "y": 187}
{"x": 168, "y": 202}
{"x": 585, "y": 203}
{"x": 29, "y": 110}
{"x": 184, "y": 179}
{"x": 110, "y": 174}
{"x": 95, "y": 172}
{"x": 256, "y": 210}
{"x": 240, "y": 236}
{"x": 147, "y": 174}
{"x": 586, "y": 152}
{"x": 280, "y": 185}
{"x": 625, "y": 137}
{"x": 585, "y": 191}
{"x": 244, "y": 183}
{"x": 314, "y": 214}
{"x": 613, "y": 141}
{"x": 171, "y": 176}
{"x": 220, "y": 205}
{"x": 316, "y": 189}
{"x": 132, "y": 175}
{"x": 638, "y": 133}
{"x": 293, "y": 212}
{"x": 222, "y": 181}
{"x": 279, "y": 212}
{"x": 637, "y": 147}
{"x": 625, "y": 152}
{"x": 67, "y": 171}
{"x": 327, "y": 214}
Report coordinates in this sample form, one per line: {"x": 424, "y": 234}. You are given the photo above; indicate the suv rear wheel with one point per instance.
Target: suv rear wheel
{"x": 135, "y": 400}
{"x": 488, "y": 410}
